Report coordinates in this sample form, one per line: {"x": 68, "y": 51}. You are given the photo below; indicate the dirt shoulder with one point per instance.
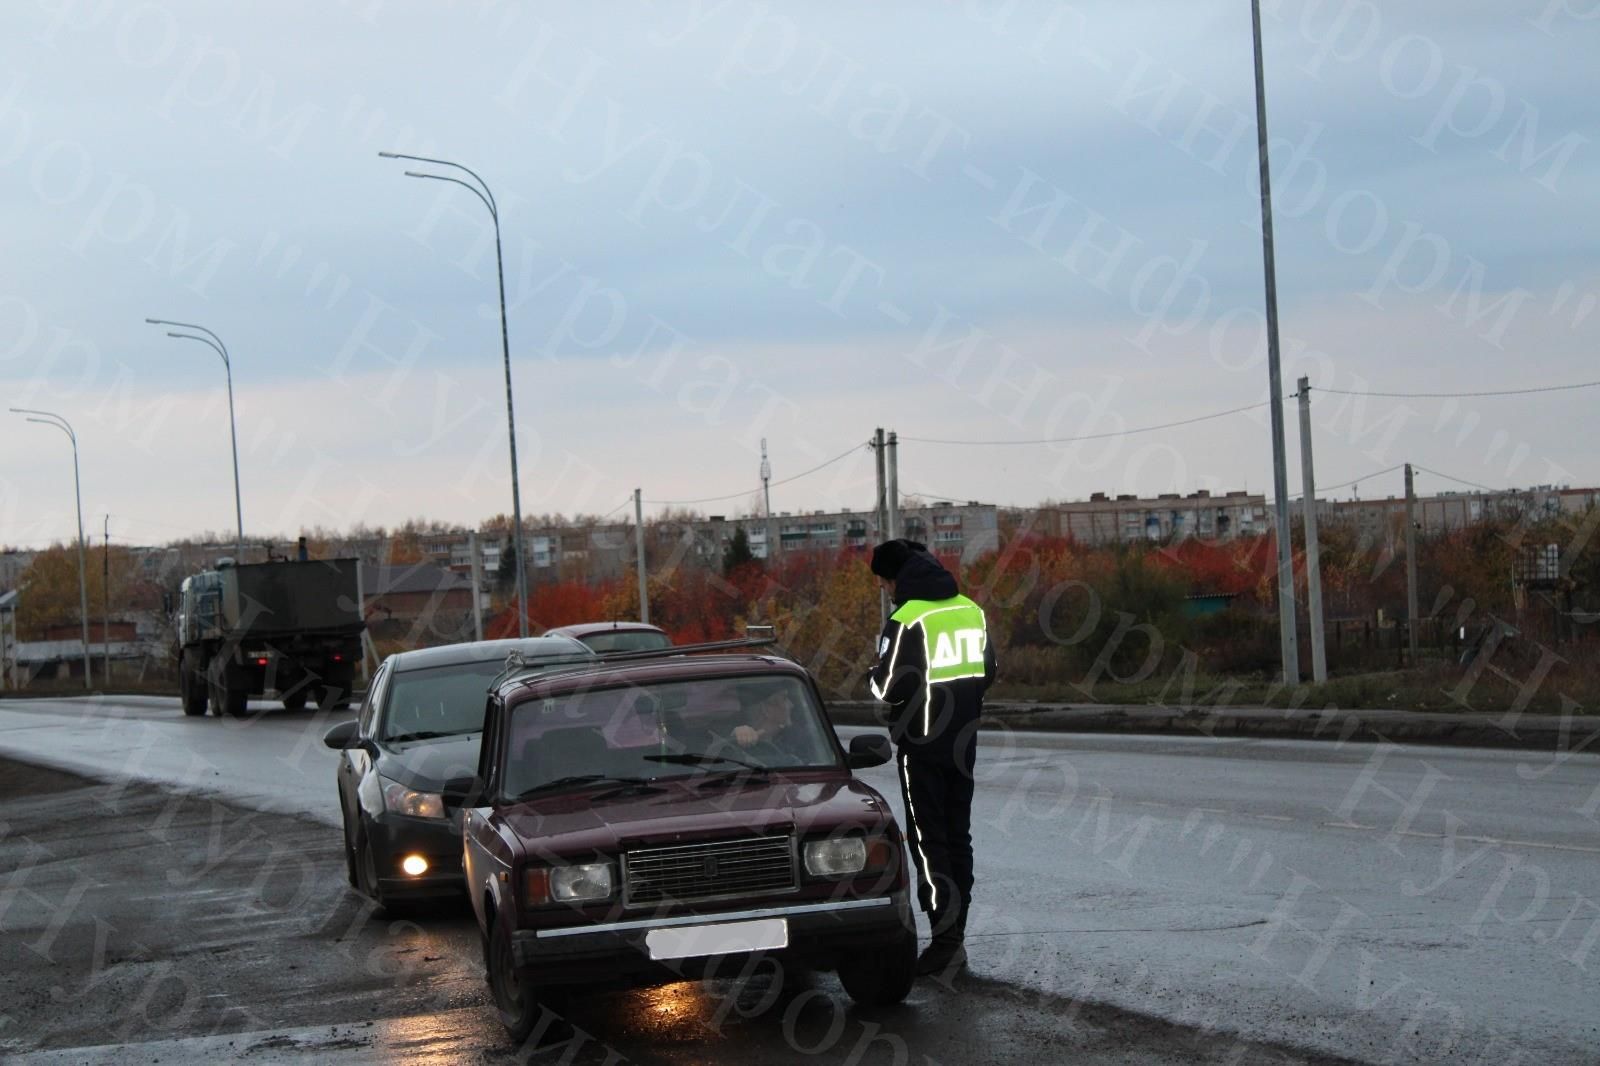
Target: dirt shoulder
{"x": 134, "y": 914}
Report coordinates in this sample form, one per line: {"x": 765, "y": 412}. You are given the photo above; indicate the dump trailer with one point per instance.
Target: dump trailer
{"x": 292, "y": 629}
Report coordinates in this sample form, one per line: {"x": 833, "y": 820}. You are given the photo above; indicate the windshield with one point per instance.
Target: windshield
{"x": 627, "y": 640}
{"x": 439, "y": 701}
{"x": 707, "y": 726}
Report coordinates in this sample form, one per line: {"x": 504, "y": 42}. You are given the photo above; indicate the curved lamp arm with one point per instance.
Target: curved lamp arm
{"x": 49, "y": 418}
{"x": 465, "y": 185}
{"x": 214, "y": 340}
{"x": 486, "y": 195}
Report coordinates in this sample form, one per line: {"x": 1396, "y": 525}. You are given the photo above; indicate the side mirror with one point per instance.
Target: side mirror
{"x": 341, "y": 736}
{"x": 462, "y": 791}
{"x": 868, "y": 750}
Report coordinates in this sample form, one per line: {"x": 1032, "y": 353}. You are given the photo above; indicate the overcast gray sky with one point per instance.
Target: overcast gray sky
{"x": 727, "y": 221}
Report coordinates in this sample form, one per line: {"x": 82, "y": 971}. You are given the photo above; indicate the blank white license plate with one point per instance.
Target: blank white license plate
{"x": 728, "y": 938}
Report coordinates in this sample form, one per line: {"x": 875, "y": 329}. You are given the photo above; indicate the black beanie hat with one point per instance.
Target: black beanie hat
{"x": 891, "y": 555}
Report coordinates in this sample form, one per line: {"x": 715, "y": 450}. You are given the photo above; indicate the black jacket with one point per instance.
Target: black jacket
{"x": 939, "y": 720}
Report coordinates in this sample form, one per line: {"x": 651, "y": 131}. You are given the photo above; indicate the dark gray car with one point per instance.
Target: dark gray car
{"x": 418, "y": 728}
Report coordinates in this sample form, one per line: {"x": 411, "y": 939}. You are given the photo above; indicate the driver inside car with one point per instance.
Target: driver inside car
{"x": 768, "y": 712}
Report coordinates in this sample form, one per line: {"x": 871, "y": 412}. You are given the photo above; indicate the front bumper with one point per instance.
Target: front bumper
{"x": 820, "y": 934}
{"x": 392, "y": 837}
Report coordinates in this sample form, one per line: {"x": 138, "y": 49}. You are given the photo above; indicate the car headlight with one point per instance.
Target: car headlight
{"x": 838, "y": 857}
{"x": 574, "y": 884}
{"x": 402, "y": 800}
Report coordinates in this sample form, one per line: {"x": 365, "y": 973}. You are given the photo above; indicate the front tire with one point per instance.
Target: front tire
{"x": 516, "y": 1001}
{"x": 191, "y": 687}
{"x": 882, "y": 978}
{"x": 349, "y": 855}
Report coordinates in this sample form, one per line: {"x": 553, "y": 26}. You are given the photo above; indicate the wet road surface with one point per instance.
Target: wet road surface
{"x": 1389, "y": 904}
{"x": 156, "y": 927}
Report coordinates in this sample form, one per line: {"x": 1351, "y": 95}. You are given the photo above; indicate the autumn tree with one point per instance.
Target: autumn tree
{"x": 48, "y": 591}
{"x": 738, "y": 553}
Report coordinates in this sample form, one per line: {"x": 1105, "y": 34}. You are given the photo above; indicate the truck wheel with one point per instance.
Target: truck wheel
{"x": 236, "y": 700}
{"x": 216, "y": 689}
{"x": 332, "y": 696}
{"x": 229, "y": 695}
{"x": 883, "y": 977}
{"x": 191, "y": 688}
{"x": 295, "y": 700}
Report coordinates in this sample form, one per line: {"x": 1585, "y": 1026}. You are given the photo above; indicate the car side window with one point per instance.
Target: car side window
{"x": 374, "y": 700}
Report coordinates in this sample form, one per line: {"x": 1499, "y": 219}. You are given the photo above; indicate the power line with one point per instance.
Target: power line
{"x": 1457, "y": 395}
{"x": 1098, "y": 436}
{"x": 1352, "y": 481}
{"x": 617, "y": 508}
{"x": 1458, "y": 480}
{"x": 749, "y": 492}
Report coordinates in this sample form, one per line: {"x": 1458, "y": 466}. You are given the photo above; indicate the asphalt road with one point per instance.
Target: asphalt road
{"x": 1139, "y": 900}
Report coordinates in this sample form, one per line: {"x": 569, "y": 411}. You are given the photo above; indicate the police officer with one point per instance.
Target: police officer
{"x": 934, "y": 664}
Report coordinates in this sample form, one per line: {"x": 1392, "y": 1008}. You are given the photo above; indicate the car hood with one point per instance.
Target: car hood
{"x": 575, "y": 822}
{"x": 426, "y": 765}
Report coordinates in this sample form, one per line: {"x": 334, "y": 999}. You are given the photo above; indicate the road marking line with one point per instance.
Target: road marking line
{"x": 1499, "y": 841}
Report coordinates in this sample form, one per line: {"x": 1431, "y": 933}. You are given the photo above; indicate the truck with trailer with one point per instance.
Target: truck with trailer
{"x": 290, "y": 628}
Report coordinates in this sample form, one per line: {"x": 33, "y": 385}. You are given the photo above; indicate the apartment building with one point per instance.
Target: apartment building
{"x": 1445, "y": 512}
{"x": 951, "y": 530}
{"x": 1125, "y": 519}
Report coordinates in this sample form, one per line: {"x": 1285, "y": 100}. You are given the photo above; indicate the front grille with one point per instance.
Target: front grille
{"x": 718, "y": 869}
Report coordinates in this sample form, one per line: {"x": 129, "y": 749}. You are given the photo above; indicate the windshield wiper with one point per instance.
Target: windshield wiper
{"x": 724, "y": 778}
{"x": 629, "y": 786}
{"x": 581, "y": 779}
{"x": 427, "y": 734}
{"x": 745, "y": 768}
{"x": 700, "y": 758}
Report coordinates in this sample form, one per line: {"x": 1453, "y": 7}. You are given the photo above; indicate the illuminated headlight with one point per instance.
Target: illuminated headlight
{"x": 574, "y": 884}
{"x": 402, "y": 800}
{"x": 836, "y": 858}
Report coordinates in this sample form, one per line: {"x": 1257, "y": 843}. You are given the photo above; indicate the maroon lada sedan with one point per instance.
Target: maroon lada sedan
{"x": 656, "y": 817}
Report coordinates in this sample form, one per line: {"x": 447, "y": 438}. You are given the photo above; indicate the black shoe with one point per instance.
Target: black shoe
{"x": 942, "y": 957}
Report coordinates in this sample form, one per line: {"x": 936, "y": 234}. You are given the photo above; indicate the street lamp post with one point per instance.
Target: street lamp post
{"x": 482, "y": 192}
{"x": 46, "y": 418}
{"x": 216, "y": 344}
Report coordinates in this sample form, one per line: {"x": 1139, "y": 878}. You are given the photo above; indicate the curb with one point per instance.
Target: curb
{"x": 1563, "y": 735}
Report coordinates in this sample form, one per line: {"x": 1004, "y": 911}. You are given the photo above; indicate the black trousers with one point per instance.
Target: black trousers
{"x": 938, "y": 799}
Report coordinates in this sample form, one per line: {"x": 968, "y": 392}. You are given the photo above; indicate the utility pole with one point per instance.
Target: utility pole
{"x": 892, "y": 486}
{"x": 882, "y": 518}
{"x": 1411, "y": 566}
{"x": 1308, "y": 485}
{"x": 105, "y": 600}
{"x": 638, "y": 550}
{"x": 477, "y": 585}
{"x": 1289, "y": 647}
{"x": 766, "y": 497}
